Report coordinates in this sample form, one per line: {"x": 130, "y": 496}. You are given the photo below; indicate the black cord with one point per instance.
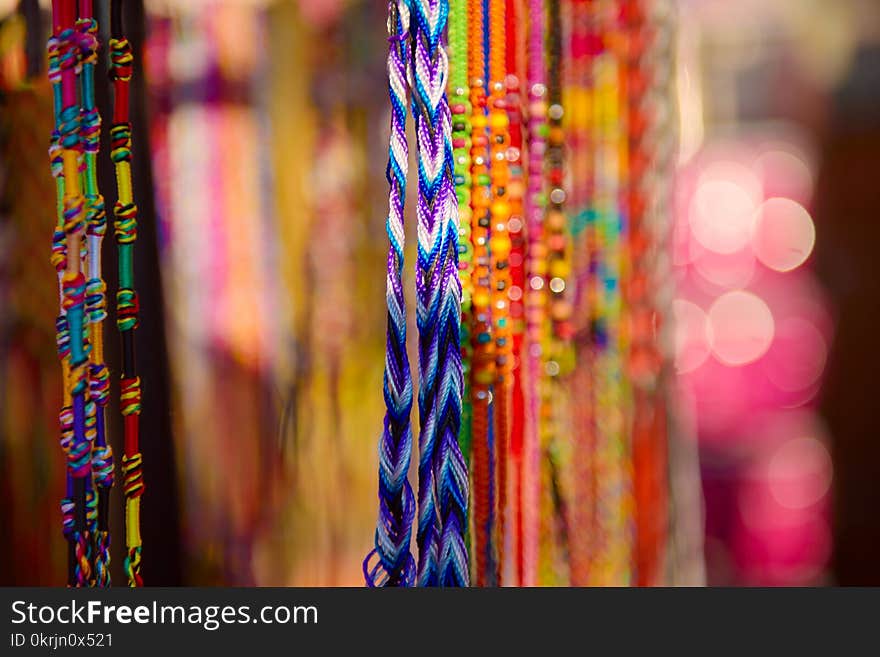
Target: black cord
{"x": 116, "y": 19}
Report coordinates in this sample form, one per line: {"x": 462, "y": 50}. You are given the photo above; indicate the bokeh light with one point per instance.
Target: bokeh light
{"x": 799, "y": 472}
{"x": 784, "y": 234}
{"x": 742, "y": 327}
{"x": 727, "y": 271}
{"x": 723, "y": 207}
{"x": 785, "y": 172}
{"x": 797, "y": 358}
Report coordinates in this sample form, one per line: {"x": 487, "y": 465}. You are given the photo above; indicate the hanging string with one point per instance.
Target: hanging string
{"x": 59, "y": 261}
{"x": 499, "y": 254}
{"x": 642, "y": 358}
{"x": 559, "y": 266}
{"x": 515, "y": 226}
{"x": 125, "y": 225}
{"x": 71, "y": 331}
{"x": 443, "y": 479}
{"x": 483, "y": 358}
{"x": 646, "y": 86}
{"x": 461, "y": 143}
{"x": 660, "y": 215}
{"x": 539, "y": 308}
{"x": 442, "y": 472}
{"x": 535, "y": 293}
{"x": 99, "y": 375}
{"x": 578, "y": 115}
{"x": 612, "y": 555}
{"x": 540, "y": 356}
{"x": 395, "y": 565}
{"x": 558, "y": 355}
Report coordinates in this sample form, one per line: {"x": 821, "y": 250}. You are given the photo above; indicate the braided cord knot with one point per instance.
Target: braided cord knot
{"x": 88, "y": 39}
{"x": 90, "y": 129}
{"x": 133, "y": 567}
{"x": 126, "y": 222}
{"x": 67, "y": 516}
{"x": 133, "y": 489}
{"x": 53, "y": 48}
{"x": 120, "y": 142}
{"x": 133, "y": 480}
{"x": 102, "y": 558}
{"x": 102, "y": 465}
{"x": 95, "y": 300}
{"x": 96, "y": 215}
{"x": 121, "y": 59}
{"x": 130, "y": 397}
{"x": 65, "y": 423}
{"x": 99, "y": 384}
{"x": 55, "y": 159}
{"x": 127, "y": 307}
{"x": 74, "y": 221}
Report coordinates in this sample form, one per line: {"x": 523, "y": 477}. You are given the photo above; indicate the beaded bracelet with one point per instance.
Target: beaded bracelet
{"x": 612, "y": 555}
{"x": 556, "y": 230}
{"x": 578, "y": 123}
{"x": 557, "y": 347}
{"x": 535, "y": 292}
{"x": 499, "y": 254}
{"x": 460, "y": 107}
{"x": 483, "y": 359}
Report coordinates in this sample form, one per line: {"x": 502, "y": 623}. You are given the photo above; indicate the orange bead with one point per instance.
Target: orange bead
{"x": 555, "y": 220}
{"x": 561, "y": 311}
{"x": 499, "y": 245}
{"x": 560, "y": 269}
{"x": 500, "y": 209}
{"x": 481, "y": 299}
{"x": 498, "y": 121}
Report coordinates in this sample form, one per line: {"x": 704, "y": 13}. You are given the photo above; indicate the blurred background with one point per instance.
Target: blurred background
{"x": 260, "y": 132}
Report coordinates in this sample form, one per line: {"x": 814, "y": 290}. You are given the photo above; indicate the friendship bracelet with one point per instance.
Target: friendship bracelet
{"x": 443, "y": 559}
{"x": 77, "y": 432}
{"x": 395, "y": 565}
{"x": 127, "y": 307}
{"x": 99, "y": 376}
{"x": 443, "y": 479}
